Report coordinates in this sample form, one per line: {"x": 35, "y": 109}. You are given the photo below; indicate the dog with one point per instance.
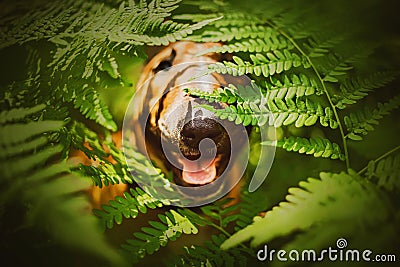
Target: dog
{"x": 172, "y": 116}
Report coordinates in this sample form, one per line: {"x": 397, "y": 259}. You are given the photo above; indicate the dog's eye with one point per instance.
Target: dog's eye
{"x": 165, "y": 64}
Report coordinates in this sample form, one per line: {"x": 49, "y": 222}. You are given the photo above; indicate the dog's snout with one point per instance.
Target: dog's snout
{"x": 198, "y": 129}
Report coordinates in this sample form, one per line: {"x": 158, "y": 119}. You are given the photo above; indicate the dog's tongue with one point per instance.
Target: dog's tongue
{"x": 193, "y": 174}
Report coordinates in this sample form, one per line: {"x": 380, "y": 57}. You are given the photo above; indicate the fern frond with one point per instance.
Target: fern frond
{"x": 249, "y": 206}
{"x": 249, "y": 106}
{"x": 221, "y": 212}
{"x": 134, "y": 202}
{"x": 106, "y": 173}
{"x": 234, "y": 18}
{"x": 278, "y": 112}
{"x": 257, "y": 45}
{"x": 108, "y": 165}
{"x": 86, "y": 140}
{"x": 141, "y": 39}
{"x": 171, "y": 226}
{"x": 356, "y": 88}
{"x": 18, "y": 132}
{"x": 210, "y": 255}
{"x": 234, "y": 33}
{"x": 292, "y": 86}
{"x": 318, "y": 147}
{"x": 385, "y": 172}
{"x": 318, "y": 47}
{"x": 24, "y": 147}
{"x": 265, "y": 65}
{"x": 318, "y": 201}
{"x": 360, "y": 123}
{"x": 38, "y": 24}
{"x": 34, "y": 177}
{"x": 335, "y": 66}
{"x": 90, "y": 104}
{"x": 19, "y": 113}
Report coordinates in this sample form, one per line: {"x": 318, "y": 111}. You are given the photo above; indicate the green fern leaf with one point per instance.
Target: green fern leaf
{"x": 171, "y": 226}
{"x": 18, "y": 132}
{"x": 257, "y": 45}
{"x": 318, "y": 147}
{"x": 318, "y": 201}
{"x": 355, "y": 89}
{"x": 134, "y": 202}
{"x": 360, "y": 123}
{"x": 291, "y": 86}
{"x": 15, "y": 167}
{"x": 385, "y": 172}
{"x": 234, "y": 33}
{"x": 19, "y": 113}
{"x": 265, "y": 65}
{"x": 320, "y": 46}
{"x": 90, "y": 104}
{"x": 210, "y": 255}
{"x": 334, "y": 66}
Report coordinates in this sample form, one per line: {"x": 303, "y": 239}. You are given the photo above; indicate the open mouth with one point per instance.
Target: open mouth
{"x": 199, "y": 172}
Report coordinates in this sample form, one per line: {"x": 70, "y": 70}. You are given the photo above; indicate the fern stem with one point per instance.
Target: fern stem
{"x": 222, "y": 230}
{"x": 379, "y": 158}
{"x": 345, "y": 150}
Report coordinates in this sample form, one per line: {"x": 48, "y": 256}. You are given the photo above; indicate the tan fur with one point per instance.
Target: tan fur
{"x": 147, "y": 99}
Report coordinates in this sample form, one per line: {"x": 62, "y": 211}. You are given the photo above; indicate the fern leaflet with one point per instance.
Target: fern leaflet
{"x": 323, "y": 196}
{"x": 318, "y": 147}
{"x": 128, "y": 206}
{"x": 356, "y": 88}
{"x": 360, "y": 123}
{"x": 171, "y": 226}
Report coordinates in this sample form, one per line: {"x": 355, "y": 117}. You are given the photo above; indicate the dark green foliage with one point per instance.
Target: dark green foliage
{"x": 34, "y": 178}
{"x": 360, "y": 123}
{"x": 311, "y": 205}
{"x": 128, "y": 206}
{"x": 322, "y": 73}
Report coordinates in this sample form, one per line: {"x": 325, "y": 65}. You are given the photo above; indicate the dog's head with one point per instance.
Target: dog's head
{"x": 175, "y": 117}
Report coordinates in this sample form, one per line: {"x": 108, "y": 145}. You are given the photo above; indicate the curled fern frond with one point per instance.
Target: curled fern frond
{"x": 360, "y": 123}
{"x": 318, "y": 147}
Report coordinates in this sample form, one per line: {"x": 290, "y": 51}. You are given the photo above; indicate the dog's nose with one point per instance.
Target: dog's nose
{"x": 198, "y": 129}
